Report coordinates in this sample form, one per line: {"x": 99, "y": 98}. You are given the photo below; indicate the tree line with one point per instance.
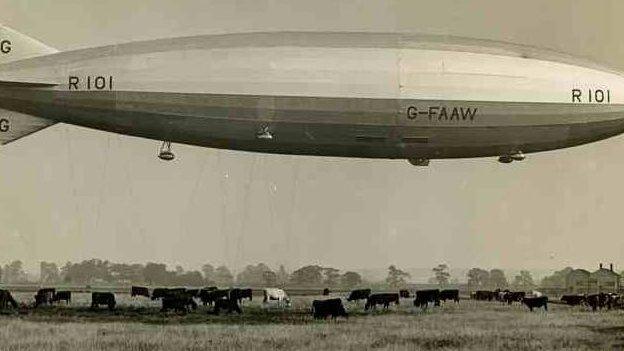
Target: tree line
{"x": 102, "y": 272}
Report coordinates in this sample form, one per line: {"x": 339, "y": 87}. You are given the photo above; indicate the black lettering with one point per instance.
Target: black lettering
{"x": 608, "y": 95}
{"x": 455, "y": 114}
{"x": 590, "y": 95}
{"x": 110, "y": 85}
{"x": 73, "y": 83}
{"x": 433, "y": 110}
{"x": 469, "y": 113}
{"x": 412, "y": 112}
{"x": 599, "y": 96}
{"x": 88, "y": 82}
{"x": 576, "y": 95}
{"x": 100, "y": 83}
{"x": 4, "y": 125}
{"x": 443, "y": 113}
{"x": 5, "y": 46}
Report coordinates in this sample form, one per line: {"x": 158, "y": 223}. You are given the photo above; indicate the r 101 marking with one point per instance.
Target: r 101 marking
{"x": 5, "y": 46}
{"x": 5, "y": 126}
{"x": 591, "y": 96}
{"x": 91, "y": 83}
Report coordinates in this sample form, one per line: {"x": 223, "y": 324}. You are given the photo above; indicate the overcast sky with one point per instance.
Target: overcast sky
{"x": 70, "y": 193}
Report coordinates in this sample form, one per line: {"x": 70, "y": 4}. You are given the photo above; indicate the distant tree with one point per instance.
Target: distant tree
{"x": 209, "y": 274}
{"x": 557, "y": 280}
{"x": 498, "y": 279}
{"x": 478, "y": 278}
{"x": 14, "y": 273}
{"x": 307, "y": 276}
{"x": 332, "y": 276}
{"x": 256, "y": 275}
{"x": 396, "y": 277}
{"x": 49, "y": 273}
{"x": 88, "y": 272}
{"x": 191, "y": 279}
{"x": 156, "y": 274}
{"x": 441, "y": 274}
{"x": 1, "y": 276}
{"x": 524, "y": 280}
{"x": 351, "y": 280}
{"x": 282, "y": 276}
{"x": 223, "y": 276}
{"x": 270, "y": 278}
{"x": 127, "y": 273}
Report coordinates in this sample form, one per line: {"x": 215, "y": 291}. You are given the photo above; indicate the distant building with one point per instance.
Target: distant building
{"x": 604, "y": 280}
{"x": 580, "y": 281}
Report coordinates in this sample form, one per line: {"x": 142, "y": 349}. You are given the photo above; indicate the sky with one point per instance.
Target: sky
{"x": 69, "y": 193}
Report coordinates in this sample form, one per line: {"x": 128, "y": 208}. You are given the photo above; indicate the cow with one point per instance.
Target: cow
{"x": 404, "y": 294}
{"x": 573, "y": 300}
{"x": 384, "y": 299}
{"x": 209, "y": 297}
{"x": 6, "y": 300}
{"x": 230, "y": 305}
{"x": 601, "y": 300}
{"x": 159, "y": 293}
{"x": 44, "y": 296}
{"x": 139, "y": 291}
{"x": 326, "y": 292}
{"x": 193, "y": 292}
{"x": 62, "y": 296}
{"x": 483, "y": 295}
{"x": 450, "y": 294}
{"x": 361, "y": 294}
{"x": 321, "y": 309}
{"x": 103, "y": 298}
{"x": 240, "y": 294}
{"x": 274, "y": 297}
{"x": 424, "y": 297}
{"x": 178, "y": 301}
{"x": 536, "y": 302}
{"x": 514, "y": 296}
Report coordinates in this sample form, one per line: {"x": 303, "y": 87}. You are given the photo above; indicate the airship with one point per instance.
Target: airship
{"x": 343, "y": 94}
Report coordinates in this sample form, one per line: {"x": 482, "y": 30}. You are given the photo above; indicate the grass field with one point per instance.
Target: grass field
{"x": 138, "y": 325}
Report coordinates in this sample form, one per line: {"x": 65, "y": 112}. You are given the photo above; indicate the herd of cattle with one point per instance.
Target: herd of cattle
{"x": 184, "y": 300}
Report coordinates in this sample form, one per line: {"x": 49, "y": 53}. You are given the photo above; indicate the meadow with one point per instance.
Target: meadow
{"x": 470, "y": 325}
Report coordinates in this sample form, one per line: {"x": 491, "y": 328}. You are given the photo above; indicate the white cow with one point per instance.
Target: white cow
{"x": 275, "y": 298}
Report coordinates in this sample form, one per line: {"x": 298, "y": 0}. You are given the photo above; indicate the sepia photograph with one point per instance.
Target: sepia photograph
{"x": 311, "y": 175}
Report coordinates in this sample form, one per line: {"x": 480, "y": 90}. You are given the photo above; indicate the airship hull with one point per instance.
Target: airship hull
{"x": 337, "y": 94}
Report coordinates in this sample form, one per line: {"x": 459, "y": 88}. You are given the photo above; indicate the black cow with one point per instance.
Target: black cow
{"x": 240, "y": 294}
{"x": 178, "y": 301}
{"x": 404, "y": 294}
{"x": 159, "y": 293}
{"x": 536, "y": 302}
{"x": 384, "y": 299}
{"x": 424, "y": 297}
{"x": 193, "y": 292}
{"x": 62, "y": 296}
{"x": 45, "y": 296}
{"x": 514, "y": 296}
{"x": 209, "y": 297}
{"x": 103, "y": 298}
{"x": 139, "y": 291}
{"x": 601, "y": 300}
{"x": 483, "y": 295}
{"x": 321, "y": 309}
{"x": 230, "y": 305}
{"x": 6, "y": 300}
{"x": 573, "y": 300}
{"x": 326, "y": 292}
{"x": 450, "y": 294}
{"x": 361, "y": 294}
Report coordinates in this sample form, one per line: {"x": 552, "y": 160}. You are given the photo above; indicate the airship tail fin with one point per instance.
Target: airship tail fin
{"x": 14, "y": 126}
{"x": 17, "y": 46}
